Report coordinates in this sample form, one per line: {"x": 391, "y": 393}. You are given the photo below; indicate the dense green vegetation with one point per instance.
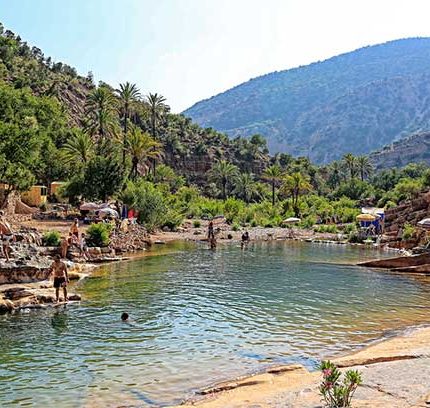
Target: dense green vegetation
{"x": 118, "y": 144}
{"x": 355, "y": 102}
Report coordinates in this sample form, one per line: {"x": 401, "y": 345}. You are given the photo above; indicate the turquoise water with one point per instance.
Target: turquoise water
{"x": 199, "y": 317}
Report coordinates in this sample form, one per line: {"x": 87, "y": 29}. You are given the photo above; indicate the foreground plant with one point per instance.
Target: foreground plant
{"x": 337, "y": 393}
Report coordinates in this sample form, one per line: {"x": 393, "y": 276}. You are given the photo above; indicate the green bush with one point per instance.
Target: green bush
{"x": 235, "y": 227}
{"x": 331, "y": 228}
{"x": 408, "y": 232}
{"x": 197, "y": 224}
{"x": 337, "y": 393}
{"x": 350, "y": 228}
{"x": 51, "y": 238}
{"x": 99, "y": 235}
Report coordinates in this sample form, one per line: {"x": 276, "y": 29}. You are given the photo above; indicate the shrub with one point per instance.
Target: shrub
{"x": 408, "y": 232}
{"x": 349, "y": 228}
{"x": 51, "y": 238}
{"x": 235, "y": 227}
{"x": 331, "y": 229}
{"x": 197, "y": 224}
{"x": 99, "y": 235}
{"x": 337, "y": 393}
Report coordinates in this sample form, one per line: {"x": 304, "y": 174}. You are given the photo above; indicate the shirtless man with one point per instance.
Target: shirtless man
{"x": 61, "y": 278}
{"x": 6, "y": 235}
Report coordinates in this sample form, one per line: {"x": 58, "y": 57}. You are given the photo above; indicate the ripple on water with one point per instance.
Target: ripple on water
{"x": 198, "y": 317}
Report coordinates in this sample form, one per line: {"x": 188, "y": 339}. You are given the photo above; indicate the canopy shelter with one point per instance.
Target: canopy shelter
{"x": 291, "y": 220}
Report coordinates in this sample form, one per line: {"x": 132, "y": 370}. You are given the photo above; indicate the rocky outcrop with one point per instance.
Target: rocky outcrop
{"x": 398, "y": 262}
{"x": 134, "y": 238}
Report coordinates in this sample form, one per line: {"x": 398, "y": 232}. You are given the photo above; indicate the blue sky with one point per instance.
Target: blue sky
{"x": 188, "y": 50}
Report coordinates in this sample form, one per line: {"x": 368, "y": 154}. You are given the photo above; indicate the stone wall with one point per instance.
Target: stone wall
{"x": 409, "y": 211}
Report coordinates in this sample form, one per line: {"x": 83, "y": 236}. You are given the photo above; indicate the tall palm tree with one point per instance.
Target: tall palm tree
{"x": 223, "y": 173}
{"x": 364, "y": 166}
{"x": 142, "y": 149}
{"x": 79, "y": 148}
{"x": 245, "y": 187}
{"x": 335, "y": 174}
{"x": 100, "y": 109}
{"x": 295, "y": 185}
{"x": 350, "y": 162}
{"x": 273, "y": 174}
{"x": 157, "y": 107}
{"x": 128, "y": 94}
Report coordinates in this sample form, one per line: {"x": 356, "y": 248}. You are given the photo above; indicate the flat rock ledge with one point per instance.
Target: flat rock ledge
{"x": 396, "y": 373}
{"x": 27, "y": 287}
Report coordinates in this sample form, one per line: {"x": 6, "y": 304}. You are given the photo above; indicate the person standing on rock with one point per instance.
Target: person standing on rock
{"x": 64, "y": 246}
{"x": 61, "y": 278}
{"x": 6, "y": 235}
{"x": 74, "y": 229}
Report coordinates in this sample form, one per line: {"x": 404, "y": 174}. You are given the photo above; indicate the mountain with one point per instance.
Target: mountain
{"x": 32, "y": 84}
{"x": 412, "y": 149}
{"x": 355, "y": 102}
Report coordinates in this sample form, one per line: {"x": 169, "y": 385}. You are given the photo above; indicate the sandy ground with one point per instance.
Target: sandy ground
{"x": 396, "y": 374}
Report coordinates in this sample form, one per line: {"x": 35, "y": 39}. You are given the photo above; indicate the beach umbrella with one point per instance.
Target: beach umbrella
{"x": 108, "y": 211}
{"x": 366, "y": 217}
{"x": 291, "y": 220}
{"x": 424, "y": 223}
{"x": 89, "y": 207}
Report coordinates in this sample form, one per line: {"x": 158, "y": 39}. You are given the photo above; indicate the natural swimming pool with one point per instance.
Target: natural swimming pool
{"x": 198, "y": 317}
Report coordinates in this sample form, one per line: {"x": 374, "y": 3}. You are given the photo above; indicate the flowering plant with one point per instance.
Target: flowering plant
{"x": 337, "y": 393}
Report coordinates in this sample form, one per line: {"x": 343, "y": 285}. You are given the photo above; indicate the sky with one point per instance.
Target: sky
{"x": 189, "y": 50}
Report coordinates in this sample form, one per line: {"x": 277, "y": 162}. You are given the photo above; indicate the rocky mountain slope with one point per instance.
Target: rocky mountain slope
{"x": 412, "y": 149}
{"x": 355, "y": 102}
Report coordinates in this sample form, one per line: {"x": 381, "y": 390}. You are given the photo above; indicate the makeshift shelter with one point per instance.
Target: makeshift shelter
{"x": 371, "y": 216}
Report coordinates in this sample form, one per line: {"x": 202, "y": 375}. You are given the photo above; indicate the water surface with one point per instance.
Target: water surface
{"x": 198, "y": 317}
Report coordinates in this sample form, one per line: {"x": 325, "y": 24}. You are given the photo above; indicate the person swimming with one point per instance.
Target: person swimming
{"x": 124, "y": 317}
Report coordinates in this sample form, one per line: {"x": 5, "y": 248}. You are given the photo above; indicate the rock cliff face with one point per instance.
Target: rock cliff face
{"x": 413, "y": 149}
{"x": 409, "y": 211}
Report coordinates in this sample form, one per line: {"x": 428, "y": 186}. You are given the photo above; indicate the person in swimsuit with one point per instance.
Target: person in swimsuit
{"x": 64, "y": 246}
{"x": 6, "y": 236}
{"x": 74, "y": 229}
{"x": 61, "y": 278}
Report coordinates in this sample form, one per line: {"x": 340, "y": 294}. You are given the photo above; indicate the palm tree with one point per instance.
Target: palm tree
{"x": 350, "y": 162}
{"x": 335, "y": 174}
{"x": 100, "y": 109}
{"x": 79, "y": 148}
{"x": 273, "y": 174}
{"x": 157, "y": 108}
{"x": 245, "y": 187}
{"x": 128, "y": 94}
{"x": 295, "y": 185}
{"x": 364, "y": 166}
{"x": 142, "y": 148}
{"x": 223, "y": 173}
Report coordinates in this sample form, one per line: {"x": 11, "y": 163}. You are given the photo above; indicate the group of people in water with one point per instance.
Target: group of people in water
{"x": 212, "y": 238}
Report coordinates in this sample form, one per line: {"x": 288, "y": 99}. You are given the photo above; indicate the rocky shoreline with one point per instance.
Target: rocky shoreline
{"x": 396, "y": 373}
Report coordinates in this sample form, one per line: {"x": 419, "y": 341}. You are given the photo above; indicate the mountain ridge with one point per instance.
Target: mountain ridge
{"x": 274, "y": 104}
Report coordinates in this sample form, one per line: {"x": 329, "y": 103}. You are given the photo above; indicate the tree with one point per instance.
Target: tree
{"x": 142, "y": 148}
{"x": 128, "y": 94}
{"x": 223, "y": 173}
{"x": 273, "y": 174}
{"x": 350, "y": 162}
{"x": 335, "y": 174}
{"x": 157, "y": 109}
{"x": 364, "y": 167}
{"x": 100, "y": 109}
{"x": 245, "y": 187}
{"x": 79, "y": 148}
{"x": 295, "y": 185}
{"x": 103, "y": 177}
